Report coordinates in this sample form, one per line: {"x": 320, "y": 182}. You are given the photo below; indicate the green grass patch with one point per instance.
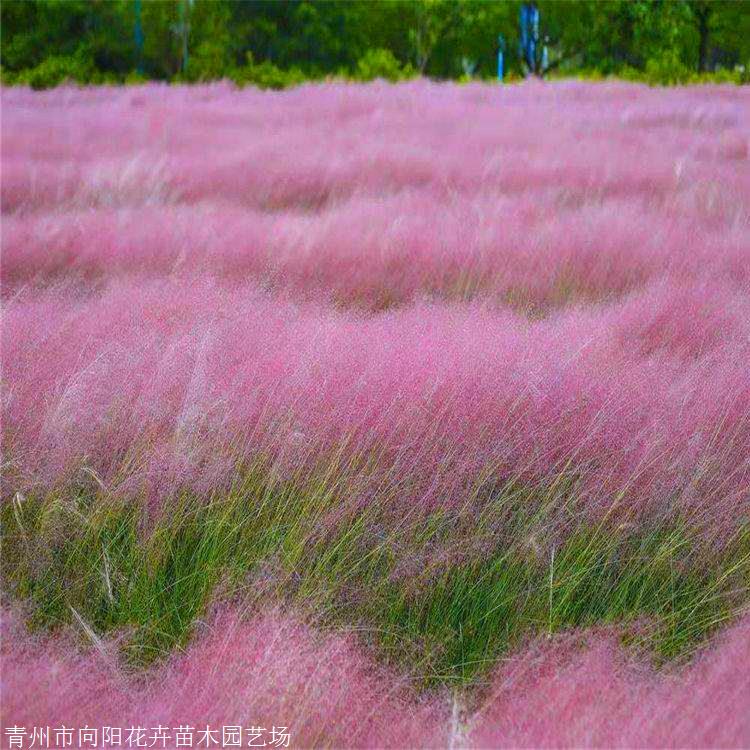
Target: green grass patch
{"x": 419, "y": 603}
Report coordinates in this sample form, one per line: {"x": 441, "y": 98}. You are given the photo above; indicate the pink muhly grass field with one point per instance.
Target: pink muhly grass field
{"x": 581, "y": 692}
{"x": 574, "y": 691}
{"x": 268, "y": 671}
{"x": 453, "y": 286}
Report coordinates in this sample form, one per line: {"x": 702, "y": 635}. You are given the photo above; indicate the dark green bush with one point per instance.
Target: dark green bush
{"x": 666, "y": 70}
{"x": 209, "y": 62}
{"x": 266, "y": 75}
{"x": 56, "y": 70}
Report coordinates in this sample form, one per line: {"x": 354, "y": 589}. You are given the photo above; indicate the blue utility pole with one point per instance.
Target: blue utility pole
{"x": 138, "y": 38}
{"x": 529, "y": 36}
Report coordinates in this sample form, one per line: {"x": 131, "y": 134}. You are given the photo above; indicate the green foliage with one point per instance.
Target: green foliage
{"x": 666, "y": 70}
{"x": 380, "y": 63}
{"x": 210, "y": 43}
{"x": 7, "y": 78}
{"x": 266, "y": 75}
{"x": 659, "y": 41}
{"x": 82, "y": 553}
{"x": 54, "y": 70}
{"x": 207, "y": 63}
{"x": 135, "y": 79}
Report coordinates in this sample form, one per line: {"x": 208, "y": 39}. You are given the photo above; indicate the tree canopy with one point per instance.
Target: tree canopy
{"x": 277, "y": 42}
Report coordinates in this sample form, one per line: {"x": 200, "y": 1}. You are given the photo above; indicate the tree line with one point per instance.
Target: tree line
{"x": 276, "y": 43}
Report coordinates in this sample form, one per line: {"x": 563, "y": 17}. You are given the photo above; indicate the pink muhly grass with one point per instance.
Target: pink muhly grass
{"x": 306, "y": 147}
{"x": 415, "y": 295}
{"x": 577, "y": 690}
{"x": 393, "y": 250}
{"x": 582, "y": 692}
{"x": 650, "y": 396}
{"x": 263, "y": 671}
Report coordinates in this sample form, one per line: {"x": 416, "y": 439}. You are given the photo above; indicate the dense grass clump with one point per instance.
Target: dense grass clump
{"x": 402, "y": 587}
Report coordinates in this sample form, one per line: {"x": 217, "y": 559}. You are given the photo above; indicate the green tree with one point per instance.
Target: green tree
{"x": 93, "y": 40}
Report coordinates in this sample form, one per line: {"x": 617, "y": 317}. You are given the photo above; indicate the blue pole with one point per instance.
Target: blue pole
{"x": 138, "y": 38}
{"x": 529, "y": 36}
{"x": 500, "y": 57}
{"x": 523, "y": 41}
